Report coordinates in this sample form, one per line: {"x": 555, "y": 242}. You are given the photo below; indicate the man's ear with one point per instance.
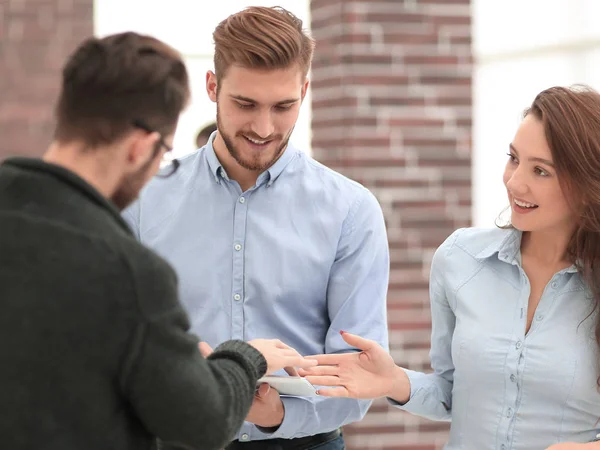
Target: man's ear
{"x": 304, "y": 89}
{"x": 140, "y": 149}
{"x": 211, "y": 85}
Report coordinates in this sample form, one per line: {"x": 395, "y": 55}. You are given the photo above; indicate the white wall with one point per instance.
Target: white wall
{"x": 522, "y": 47}
{"x": 188, "y": 25}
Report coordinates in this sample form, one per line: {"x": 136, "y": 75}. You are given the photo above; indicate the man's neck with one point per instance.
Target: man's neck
{"x": 84, "y": 164}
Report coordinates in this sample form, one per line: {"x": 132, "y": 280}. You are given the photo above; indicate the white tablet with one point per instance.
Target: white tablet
{"x": 291, "y": 386}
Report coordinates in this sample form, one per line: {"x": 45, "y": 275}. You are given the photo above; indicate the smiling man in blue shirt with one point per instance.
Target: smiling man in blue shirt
{"x": 266, "y": 241}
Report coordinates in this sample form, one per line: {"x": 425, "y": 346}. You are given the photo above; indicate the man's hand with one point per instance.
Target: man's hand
{"x": 267, "y": 408}
{"x": 280, "y": 356}
{"x": 205, "y": 349}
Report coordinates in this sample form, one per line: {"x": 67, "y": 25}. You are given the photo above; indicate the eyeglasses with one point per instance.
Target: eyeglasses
{"x": 168, "y": 163}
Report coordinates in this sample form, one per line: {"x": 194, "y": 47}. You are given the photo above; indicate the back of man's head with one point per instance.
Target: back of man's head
{"x": 264, "y": 38}
{"x": 109, "y": 83}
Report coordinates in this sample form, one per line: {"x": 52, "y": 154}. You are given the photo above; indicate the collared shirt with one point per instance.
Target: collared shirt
{"x": 502, "y": 388}
{"x": 300, "y": 256}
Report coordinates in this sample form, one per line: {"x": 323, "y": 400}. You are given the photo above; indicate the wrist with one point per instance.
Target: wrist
{"x": 271, "y": 422}
{"x": 277, "y": 420}
{"x": 400, "y": 389}
{"x": 272, "y": 425}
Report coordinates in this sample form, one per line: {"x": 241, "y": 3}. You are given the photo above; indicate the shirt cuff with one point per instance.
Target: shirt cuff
{"x": 295, "y": 412}
{"x": 417, "y": 381}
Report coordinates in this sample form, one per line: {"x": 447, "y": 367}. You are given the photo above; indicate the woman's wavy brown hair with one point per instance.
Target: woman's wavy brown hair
{"x": 571, "y": 120}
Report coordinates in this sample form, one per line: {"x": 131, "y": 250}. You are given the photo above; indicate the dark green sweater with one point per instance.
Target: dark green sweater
{"x": 94, "y": 349}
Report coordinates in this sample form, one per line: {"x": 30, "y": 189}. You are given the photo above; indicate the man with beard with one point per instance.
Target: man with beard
{"x": 266, "y": 241}
{"x": 94, "y": 349}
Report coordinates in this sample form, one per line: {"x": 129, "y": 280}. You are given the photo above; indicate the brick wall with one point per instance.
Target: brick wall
{"x": 392, "y": 110}
{"x": 35, "y": 39}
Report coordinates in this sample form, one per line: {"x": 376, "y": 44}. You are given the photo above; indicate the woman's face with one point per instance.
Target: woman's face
{"x": 536, "y": 198}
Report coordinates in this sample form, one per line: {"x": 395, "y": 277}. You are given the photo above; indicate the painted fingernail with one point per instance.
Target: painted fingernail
{"x": 342, "y": 331}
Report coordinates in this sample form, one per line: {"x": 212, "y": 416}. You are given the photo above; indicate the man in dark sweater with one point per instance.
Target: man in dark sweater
{"x": 94, "y": 349}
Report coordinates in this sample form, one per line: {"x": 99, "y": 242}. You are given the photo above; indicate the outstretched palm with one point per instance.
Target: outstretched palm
{"x": 370, "y": 373}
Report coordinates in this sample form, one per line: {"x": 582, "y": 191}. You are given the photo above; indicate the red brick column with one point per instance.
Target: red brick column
{"x": 391, "y": 106}
{"x": 35, "y": 39}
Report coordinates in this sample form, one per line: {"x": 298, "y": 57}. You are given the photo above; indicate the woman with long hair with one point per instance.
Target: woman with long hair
{"x": 515, "y": 323}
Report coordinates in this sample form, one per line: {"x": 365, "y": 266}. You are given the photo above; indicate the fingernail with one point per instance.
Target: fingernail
{"x": 342, "y": 331}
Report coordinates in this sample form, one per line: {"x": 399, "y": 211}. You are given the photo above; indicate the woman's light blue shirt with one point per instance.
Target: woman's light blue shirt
{"x": 502, "y": 388}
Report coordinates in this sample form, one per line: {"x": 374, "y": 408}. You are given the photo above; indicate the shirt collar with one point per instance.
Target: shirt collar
{"x": 269, "y": 175}
{"x": 508, "y": 248}
{"x": 211, "y": 156}
{"x": 277, "y": 169}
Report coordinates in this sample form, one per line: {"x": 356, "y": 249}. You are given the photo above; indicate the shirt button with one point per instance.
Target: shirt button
{"x": 554, "y": 285}
{"x": 238, "y": 247}
{"x": 518, "y": 345}
{"x": 242, "y": 200}
{"x": 245, "y": 437}
{"x": 513, "y": 378}
{"x": 539, "y": 317}
{"x": 237, "y": 297}
{"x": 509, "y": 413}
{"x": 503, "y": 447}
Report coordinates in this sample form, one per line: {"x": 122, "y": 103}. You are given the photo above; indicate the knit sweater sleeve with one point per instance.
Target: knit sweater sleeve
{"x": 185, "y": 400}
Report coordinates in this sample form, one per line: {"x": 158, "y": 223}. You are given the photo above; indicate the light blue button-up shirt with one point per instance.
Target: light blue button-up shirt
{"x": 299, "y": 257}
{"x": 501, "y": 388}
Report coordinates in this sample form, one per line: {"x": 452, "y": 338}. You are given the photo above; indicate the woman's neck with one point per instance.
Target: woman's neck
{"x": 547, "y": 247}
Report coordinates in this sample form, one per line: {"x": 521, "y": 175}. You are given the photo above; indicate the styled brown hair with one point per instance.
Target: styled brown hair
{"x": 109, "y": 83}
{"x": 262, "y": 38}
{"x": 571, "y": 121}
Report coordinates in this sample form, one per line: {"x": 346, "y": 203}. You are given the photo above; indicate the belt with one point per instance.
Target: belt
{"x": 303, "y": 443}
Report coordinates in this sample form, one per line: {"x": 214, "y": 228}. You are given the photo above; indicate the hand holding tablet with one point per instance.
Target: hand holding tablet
{"x": 290, "y": 386}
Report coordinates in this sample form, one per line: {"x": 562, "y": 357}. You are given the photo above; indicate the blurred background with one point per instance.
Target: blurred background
{"x": 416, "y": 99}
